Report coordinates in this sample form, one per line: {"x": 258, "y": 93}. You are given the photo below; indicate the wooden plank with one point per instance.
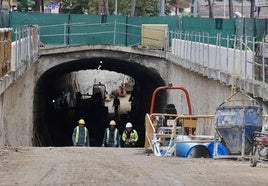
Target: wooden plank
{"x": 9, "y": 43}
{"x": 4, "y": 64}
{"x": 34, "y": 36}
{"x": 191, "y": 123}
{"x": 1, "y": 51}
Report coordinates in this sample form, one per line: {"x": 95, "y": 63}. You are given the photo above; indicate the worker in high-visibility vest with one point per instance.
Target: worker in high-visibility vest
{"x": 111, "y": 136}
{"x": 130, "y": 136}
{"x": 80, "y": 135}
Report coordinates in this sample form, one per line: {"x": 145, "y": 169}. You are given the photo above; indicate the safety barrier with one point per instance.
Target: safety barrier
{"x": 230, "y": 55}
{"x": 161, "y": 127}
{"x": 25, "y": 48}
{"x": 5, "y": 51}
{"x": 21, "y": 52}
{"x": 150, "y": 36}
{"x": 17, "y": 56}
{"x": 149, "y": 133}
{"x": 227, "y": 59}
{"x": 240, "y": 62}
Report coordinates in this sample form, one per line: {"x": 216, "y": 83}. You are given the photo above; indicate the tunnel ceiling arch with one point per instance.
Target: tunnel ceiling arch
{"x": 133, "y": 69}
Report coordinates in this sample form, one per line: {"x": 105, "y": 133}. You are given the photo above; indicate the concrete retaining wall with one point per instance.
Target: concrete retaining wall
{"x": 17, "y": 111}
{"x": 205, "y": 94}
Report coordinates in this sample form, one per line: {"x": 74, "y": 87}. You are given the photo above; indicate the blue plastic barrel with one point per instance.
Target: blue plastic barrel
{"x": 192, "y": 150}
{"x": 236, "y": 124}
{"x": 198, "y": 150}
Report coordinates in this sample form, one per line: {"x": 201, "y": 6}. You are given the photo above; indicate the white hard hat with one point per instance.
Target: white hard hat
{"x": 128, "y": 125}
{"x": 112, "y": 122}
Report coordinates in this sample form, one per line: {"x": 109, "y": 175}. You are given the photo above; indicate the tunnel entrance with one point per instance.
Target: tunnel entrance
{"x": 54, "y": 126}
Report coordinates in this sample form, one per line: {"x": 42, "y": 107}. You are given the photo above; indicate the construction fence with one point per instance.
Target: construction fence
{"x": 235, "y": 46}
{"x": 71, "y": 29}
{"x": 16, "y": 56}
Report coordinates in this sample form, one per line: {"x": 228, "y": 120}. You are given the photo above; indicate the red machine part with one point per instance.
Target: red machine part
{"x": 171, "y": 87}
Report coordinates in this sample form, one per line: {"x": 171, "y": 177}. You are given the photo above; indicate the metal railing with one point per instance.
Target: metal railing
{"x": 25, "y": 48}
{"x": 112, "y": 33}
{"x": 21, "y": 53}
{"x": 163, "y": 131}
{"x": 240, "y": 57}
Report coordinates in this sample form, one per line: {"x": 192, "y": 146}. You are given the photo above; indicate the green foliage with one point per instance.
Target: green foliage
{"x": 75, "y": 6}
{"x": 186, "y": 14}
{"x": 93, "y": 7}
{"x": 24, "y": 5}
{"x": 143, "y": 7}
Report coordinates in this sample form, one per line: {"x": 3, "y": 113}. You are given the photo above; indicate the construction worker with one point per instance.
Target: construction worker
{"x": 111, "y": 136}
{"x": 130, "y": 136}
{"x": 80, "y": 135}
{"x": 116, "y": 105}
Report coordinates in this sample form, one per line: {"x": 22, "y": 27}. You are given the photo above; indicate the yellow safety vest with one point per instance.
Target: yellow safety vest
{"x": 77, "y": 134}
{"x": 108, "y": 136}
{"x": 133, "y": 135}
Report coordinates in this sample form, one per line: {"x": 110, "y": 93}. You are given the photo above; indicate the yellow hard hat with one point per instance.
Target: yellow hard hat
{"x": 81, "y": 121}
{"x": 112, "y": 122}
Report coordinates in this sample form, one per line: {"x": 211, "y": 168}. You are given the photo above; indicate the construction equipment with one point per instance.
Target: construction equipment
{"x": 259, "y": 151}
{"x": 170, "y": 134}
{"x": 154, "y": 139}
{"x": 99, "y": 93}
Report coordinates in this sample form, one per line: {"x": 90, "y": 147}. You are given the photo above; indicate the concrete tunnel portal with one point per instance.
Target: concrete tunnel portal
{"x": 54, "y": 127}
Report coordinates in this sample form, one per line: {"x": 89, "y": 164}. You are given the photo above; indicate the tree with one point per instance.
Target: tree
{"x": 147, "y": 8}
{"x": 210, "y": 9}
{"x": 133, "y": 7}
{"x": 106, "y": 4}
{"x": 75, "y": 6}
{"x": 39, "y": 6}
{"x": 124, "y": 7}
{"x": 25, "y": 5}
{"x": 231, "y": 9}
{"x": 252, "y": 5}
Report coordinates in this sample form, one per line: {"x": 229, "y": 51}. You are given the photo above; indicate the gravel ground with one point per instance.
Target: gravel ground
{"x": 120, "y": 166}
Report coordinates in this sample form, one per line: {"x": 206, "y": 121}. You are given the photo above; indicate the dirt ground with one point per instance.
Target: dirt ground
{"x": 120, "y": 166}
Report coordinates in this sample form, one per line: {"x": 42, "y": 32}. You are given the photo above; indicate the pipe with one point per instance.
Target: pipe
{"x": 167, "y": 88}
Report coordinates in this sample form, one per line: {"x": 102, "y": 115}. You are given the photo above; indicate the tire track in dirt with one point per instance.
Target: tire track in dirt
{"x": 120, "y": 166}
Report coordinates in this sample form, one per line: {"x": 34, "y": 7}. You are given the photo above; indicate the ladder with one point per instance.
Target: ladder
{"x": 156, "y": 145}
{"x": 171, "y": 146}
{"x": 170, "y": 150}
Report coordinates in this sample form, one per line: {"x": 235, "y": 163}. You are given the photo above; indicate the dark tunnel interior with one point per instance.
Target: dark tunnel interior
{"x": 54, "y": 127}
